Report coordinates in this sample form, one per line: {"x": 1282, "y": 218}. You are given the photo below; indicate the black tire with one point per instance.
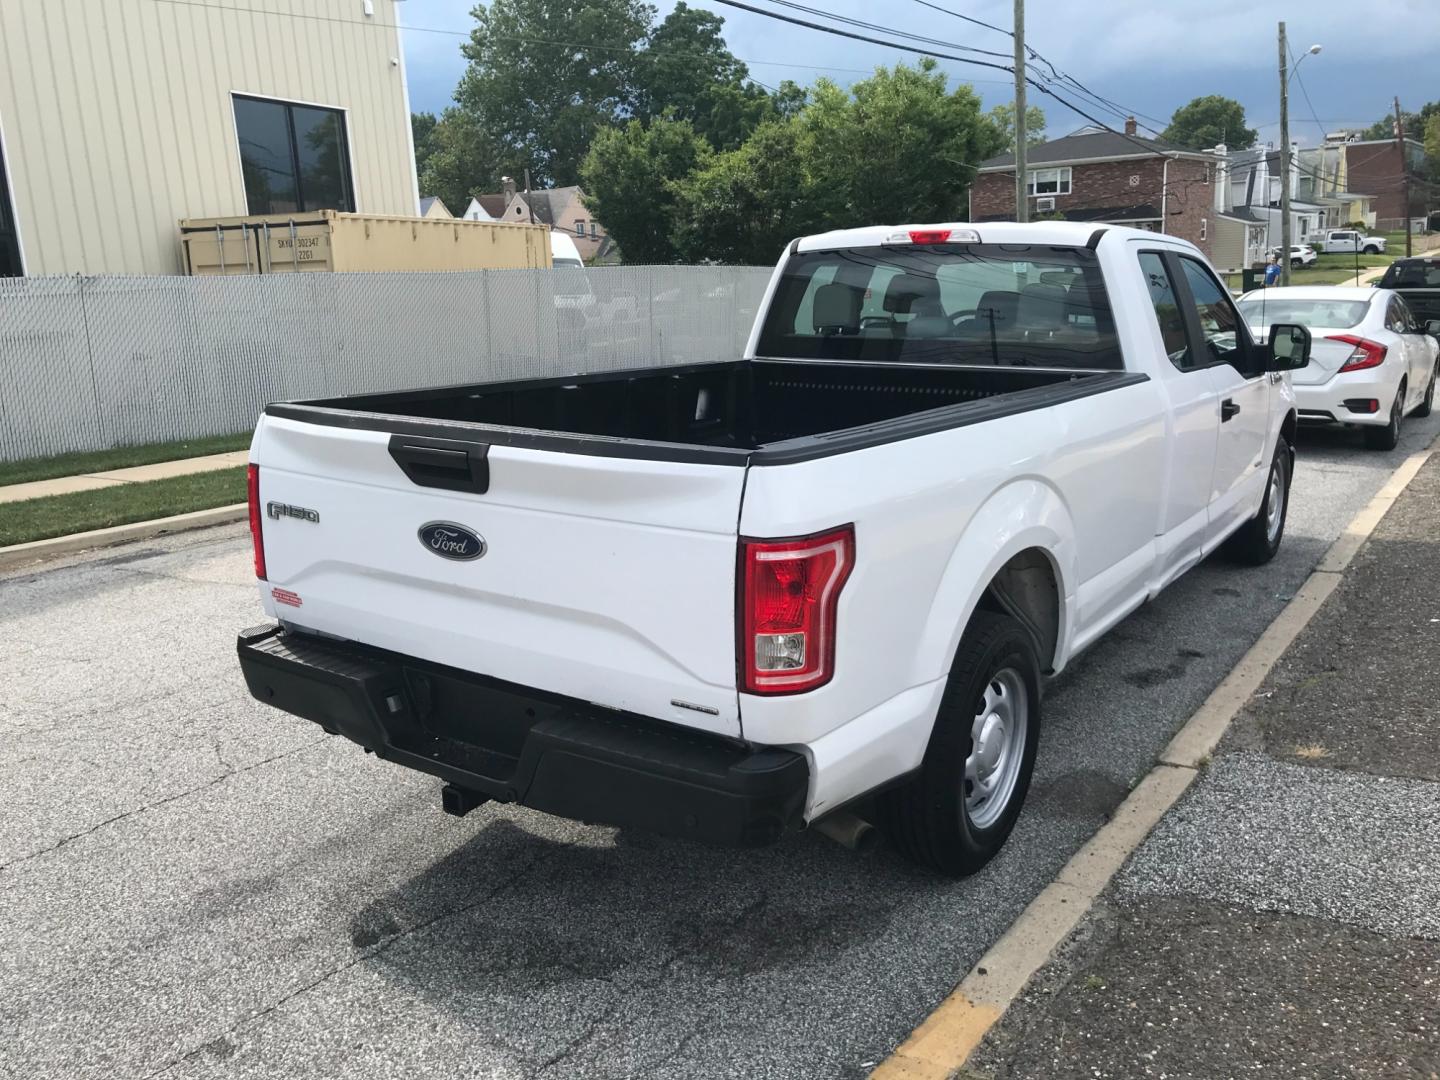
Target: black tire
{"x": 1256, "y": 542}
{"x": 1370, "y": 249}
{"x": 1296, "y": 264}
{"x": 927, "y": 818}
{"x": 1427, "y": 404}
{"x": 1388, "y": 437}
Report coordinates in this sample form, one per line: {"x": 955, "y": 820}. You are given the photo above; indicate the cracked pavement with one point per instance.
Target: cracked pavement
{"x": 197, "y": 886}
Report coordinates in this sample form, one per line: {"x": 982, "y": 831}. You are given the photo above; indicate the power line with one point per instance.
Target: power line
{"x": 1055, "y": 74}
{"x": 886, "y": 30}
{"x": 1148, "y": 147}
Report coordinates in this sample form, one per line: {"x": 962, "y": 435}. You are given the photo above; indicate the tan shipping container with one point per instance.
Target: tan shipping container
{"x": 330, "y": 240}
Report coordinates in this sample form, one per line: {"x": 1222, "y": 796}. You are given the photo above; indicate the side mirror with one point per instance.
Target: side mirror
{"x": 1432, "y": 326}
{"x": 1288, "y": 347}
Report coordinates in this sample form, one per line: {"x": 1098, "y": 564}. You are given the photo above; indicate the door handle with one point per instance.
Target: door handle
{"x": 1228, "y": 409}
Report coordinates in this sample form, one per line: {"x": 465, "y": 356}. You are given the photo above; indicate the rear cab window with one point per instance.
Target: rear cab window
{"x": 1023, "y": 305}
{"x": 1420, "y": 274}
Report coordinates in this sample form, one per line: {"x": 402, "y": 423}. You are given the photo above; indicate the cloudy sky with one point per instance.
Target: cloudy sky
{"x": 1148, "y": 55}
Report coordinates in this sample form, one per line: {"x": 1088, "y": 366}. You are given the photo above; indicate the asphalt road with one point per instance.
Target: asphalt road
{"x": 193, "y": 885}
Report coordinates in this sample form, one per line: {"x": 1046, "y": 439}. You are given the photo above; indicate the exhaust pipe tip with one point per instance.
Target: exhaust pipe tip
{"x": 850, "y": 831}
{"x": 458, "y": 801}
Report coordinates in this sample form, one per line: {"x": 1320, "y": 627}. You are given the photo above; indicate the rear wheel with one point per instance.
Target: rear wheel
{"x": 1427, "y": 404}
{"x": 1388, "y": 437}
{"x": 1258, "y": 540}
{"x": 956, "y": 812}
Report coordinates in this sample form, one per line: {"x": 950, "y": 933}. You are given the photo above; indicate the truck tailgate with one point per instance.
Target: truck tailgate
{"x": 606, "y": 579}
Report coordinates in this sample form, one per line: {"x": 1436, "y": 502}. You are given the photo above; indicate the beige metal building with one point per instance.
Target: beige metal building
{"x": 118, "y": 118}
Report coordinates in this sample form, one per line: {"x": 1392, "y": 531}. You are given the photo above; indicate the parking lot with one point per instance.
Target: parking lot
{"x": 195, "y": 885}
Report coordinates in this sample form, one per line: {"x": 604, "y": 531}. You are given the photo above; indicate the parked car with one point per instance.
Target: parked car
{"x": 1347, "y": 241}
{"x": 1371, "y": 363}
{"x": 1418, "y": 281}
{"x": 1300, "y": 255}
{"x": 726, "y": 601}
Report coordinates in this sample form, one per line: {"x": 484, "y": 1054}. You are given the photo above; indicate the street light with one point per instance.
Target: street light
{"x": 1285, "y": 78}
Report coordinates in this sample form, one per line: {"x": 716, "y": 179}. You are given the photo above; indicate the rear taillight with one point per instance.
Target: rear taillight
{"x": 1366, "y": 353}
{"x": 789, "y": 590}
{"x": 252, "y": 487}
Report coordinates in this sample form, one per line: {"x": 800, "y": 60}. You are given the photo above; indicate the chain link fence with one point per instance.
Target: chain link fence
{"x": 93, "y": 363}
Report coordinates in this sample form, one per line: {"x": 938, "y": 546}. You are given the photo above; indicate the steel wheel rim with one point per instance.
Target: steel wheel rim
{"x": 1275, "y": 503}
{"x": 998, "y": 734}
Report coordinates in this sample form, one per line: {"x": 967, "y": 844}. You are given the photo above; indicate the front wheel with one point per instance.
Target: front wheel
{"x": 1257, "y": 541}
{"x": 1388, "y": 437}
{"x": 1372, "y": 250}
{"x": 957, "y": 811}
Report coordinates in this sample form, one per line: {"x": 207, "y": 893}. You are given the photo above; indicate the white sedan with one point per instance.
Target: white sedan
{"x": 1371, "y": 363}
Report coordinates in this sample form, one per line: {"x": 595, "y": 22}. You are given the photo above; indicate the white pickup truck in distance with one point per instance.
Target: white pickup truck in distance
{"x": 1336, "y": 241}
{"x": 730, "y": 600}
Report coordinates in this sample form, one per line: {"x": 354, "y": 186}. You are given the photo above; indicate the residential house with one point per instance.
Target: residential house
{"x": 1319, "y": 195}
{"x": 1104, "y": 176}
{"x": 432, "y": 206}
{"x": 1376, "y": 167}
{"x": 118, "y": 119}
{"x": 560, "y": 208}
{"x": 485, "y": 208}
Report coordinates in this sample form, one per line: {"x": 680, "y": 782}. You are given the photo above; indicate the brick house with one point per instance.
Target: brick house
{"x": 1373, "y": 167}
{"x": 1106, "y": 177}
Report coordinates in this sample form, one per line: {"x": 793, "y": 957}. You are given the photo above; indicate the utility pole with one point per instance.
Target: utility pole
{"x": 1284, "y": 162}
{"x": 1404, "y": 169}
{"x": 1022, "y": 200}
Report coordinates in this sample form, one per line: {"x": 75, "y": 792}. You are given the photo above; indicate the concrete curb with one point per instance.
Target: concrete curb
{"x": 944, "y": 1041}
{"x": 42, "y": 550}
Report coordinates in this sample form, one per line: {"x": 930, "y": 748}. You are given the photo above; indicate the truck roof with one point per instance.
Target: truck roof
{"x": 1064, "y": 233}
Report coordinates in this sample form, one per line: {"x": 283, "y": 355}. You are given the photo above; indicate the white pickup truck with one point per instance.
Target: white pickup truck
{"x": 727, "y": 601}
{"x": 1347, "y": 241}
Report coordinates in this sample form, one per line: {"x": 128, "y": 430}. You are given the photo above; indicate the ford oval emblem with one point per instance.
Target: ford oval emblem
{"x": 451, "y": 541}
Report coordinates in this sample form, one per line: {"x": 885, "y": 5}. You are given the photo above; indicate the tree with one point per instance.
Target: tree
{"x": 1208, "y": 121}
{"x": 421, "y": 126}
{"x": 545, "y": 75}
{"x": 846, "y": 158}
{"x": 462, "y": 159}
{"x": 894, "y": 144}
{"x": 686, "y": 72}
{"x": 1003, "y": 117}
{"x": 745, "y": 205}
{"x": 630, "y": 177}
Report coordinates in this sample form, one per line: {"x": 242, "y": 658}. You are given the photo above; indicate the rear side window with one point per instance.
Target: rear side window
{"x": 1024, "y": 305}
{"x": 1168, "y": 315}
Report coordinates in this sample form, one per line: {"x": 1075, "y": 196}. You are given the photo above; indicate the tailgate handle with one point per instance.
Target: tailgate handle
{"x": 451, "y": 464}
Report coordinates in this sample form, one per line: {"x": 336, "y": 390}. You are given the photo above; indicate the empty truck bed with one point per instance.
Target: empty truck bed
{"x": 748, "y": 411}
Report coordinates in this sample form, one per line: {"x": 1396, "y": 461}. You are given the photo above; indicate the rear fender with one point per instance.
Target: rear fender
{"x": 1026, "y": 513}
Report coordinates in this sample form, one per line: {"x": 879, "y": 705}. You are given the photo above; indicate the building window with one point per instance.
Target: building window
{"x": 1204, "y": 228}
{"x": 579, "y": 226}
{"x": 9, "y": 234}
{"x": 594, "y": 231}
{"x": 294, "y": 157}
{"x": 1048, "y": 182}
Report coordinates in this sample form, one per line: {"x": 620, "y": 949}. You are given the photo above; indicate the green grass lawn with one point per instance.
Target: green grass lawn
{"x": 118, "y": 504}
{"x": 1344, "y": 261}
{"x": 123, "y": 457}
